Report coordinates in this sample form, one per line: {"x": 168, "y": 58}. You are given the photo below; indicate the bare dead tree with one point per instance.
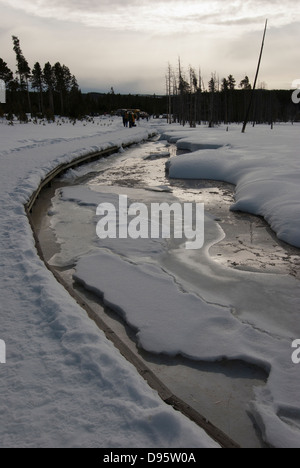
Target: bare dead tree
{"x": 255, "y": 81}
{"x": 169, "y": 92}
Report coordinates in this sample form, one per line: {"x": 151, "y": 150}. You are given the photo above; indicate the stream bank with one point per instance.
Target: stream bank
{"x": 220, "y": 391}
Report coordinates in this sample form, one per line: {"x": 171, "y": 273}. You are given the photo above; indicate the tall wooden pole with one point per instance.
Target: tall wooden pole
{"x": 170, "y": 100}
{"x": 255, "y": 81}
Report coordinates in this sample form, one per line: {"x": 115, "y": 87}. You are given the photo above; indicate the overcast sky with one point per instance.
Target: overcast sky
{"x": 127, "y": 44}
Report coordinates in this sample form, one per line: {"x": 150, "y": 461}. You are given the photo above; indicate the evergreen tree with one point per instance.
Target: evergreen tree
{"x": 74, "y": 84}
{"x": 245, "y": 83}
{"x": 23, "y": 68}
{"x": 184, "y": 90}
{"x": 5, "y": 73}
{"x": 37, "y": 83}
{"x": 212, "y": 87}
{"x": 76, "y": 104}
{"x": 231, "y": 82}
{"x": 63, "y": 82}
{"x": 225, "y": 85}
{"x": 225, "y": 90}
{"x": 49, "y": 80}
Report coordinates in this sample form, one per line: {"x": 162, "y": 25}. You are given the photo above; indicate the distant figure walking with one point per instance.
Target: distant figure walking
{"x": 125, "y": 119}
{"x": 131, "y": 120}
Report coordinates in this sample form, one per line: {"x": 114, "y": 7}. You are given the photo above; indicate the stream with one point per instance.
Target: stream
{"x": 243, "y": 247}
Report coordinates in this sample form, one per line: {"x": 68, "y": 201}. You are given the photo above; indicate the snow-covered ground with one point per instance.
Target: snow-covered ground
{"x": 180, "y": 302}
{"x": 185, "y": 303}
{"x": 64, "y": 384}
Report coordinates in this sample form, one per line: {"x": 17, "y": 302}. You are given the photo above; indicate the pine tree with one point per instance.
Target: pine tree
{"x": 63, "y": 81}
{"x": 49, "y": 80}
{"x": 184, "y": 90}
{"x": 23, "y": 68}
{"x": 225, "y": 91}
{"x": 245, "y": 83}
{"x": 76, "y": 105}
{"x": 231, "y": 82}
{"x": 212, "y": 87}
{"x": 37, "y": 83}
{"x": 5, "y": 73}
{"x": 224, "y": 85}
{"x": 74, "y": 84}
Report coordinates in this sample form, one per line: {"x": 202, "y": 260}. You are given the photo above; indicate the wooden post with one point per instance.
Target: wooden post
{"x": 255, "y": 81}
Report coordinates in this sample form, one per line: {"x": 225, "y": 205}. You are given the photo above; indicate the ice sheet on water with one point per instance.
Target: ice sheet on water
{"x": 74, "y": 222}
{"x": 171, "y": 320}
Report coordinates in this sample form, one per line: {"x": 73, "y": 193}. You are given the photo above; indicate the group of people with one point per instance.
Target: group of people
{"x": 129, "y": 119}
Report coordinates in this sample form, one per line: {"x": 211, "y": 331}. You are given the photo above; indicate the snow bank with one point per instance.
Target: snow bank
{"x": 263, "y": 164}
{"x": 64, "y": 384}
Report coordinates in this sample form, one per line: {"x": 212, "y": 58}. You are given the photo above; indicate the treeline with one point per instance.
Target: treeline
{"x": 97, "y": 103}
{"x": 43, "y": 91}
{"x": 191, "y": 101}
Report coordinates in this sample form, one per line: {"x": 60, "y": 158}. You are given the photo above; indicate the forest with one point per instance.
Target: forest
{"x": 46, "y": 91}
{"x": 191, "y": 101}
{"x": 41, "y": 91}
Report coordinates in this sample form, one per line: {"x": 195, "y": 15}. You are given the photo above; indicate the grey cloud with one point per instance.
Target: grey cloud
{"x": 121, "y": 13}
{"x": 93, "y": 6}
{"x": 259, "y": 20}
{"x": 108, "y": 55}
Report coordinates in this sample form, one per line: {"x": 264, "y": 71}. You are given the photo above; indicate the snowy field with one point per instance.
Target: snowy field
{"x": 57, "y": 359}
{"x": 64, "y": 384}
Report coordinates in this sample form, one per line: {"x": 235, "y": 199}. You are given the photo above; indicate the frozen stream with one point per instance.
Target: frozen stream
{"x": 242, "y": 268}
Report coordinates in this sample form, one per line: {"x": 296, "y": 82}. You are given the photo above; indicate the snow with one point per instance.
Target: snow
{"x": 194, "y": 322}
{"x": 237, "y": 317}
{"x": 64, "y": 384}
{"x": 184, "y": 303}
{"x": 264, "y": 165}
